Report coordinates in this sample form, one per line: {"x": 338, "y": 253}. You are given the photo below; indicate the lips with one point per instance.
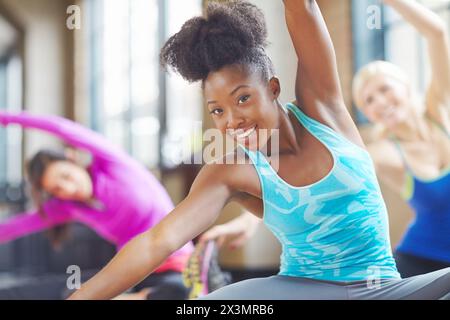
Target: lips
{"x": 245, "y": 134}
{"x": 388, "y": 113}
{"x": 241, "y": 134}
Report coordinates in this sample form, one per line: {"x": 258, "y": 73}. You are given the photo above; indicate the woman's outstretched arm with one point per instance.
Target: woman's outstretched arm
{"x": 26, "y": 223}
{"x": 434, "y": 30}
{"x": 69, "y": 131}
{"x": 317, "y": 88}
{"x": 137, "y": 259}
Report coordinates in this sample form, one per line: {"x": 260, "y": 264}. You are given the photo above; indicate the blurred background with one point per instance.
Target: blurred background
{"x": 106, "y": 75}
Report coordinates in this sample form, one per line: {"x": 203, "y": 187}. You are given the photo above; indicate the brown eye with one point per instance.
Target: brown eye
{"x": 216, "y": 112}
{"x": 243, "y": 99}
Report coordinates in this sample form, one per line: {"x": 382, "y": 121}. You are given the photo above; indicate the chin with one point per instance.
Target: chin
{"x": 81, "y": 198}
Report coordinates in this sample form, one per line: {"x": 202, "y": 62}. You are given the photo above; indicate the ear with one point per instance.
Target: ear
{"x": 274, "y": 87}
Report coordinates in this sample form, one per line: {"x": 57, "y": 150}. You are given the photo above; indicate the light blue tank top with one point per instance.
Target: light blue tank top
{"x": 335, "y": 229}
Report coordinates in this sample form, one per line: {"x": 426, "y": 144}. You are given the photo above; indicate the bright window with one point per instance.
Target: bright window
{"x": 11, "y": 137}
{"x": 133, "y": 102}
{"x": 11, "y": 155}
{"x": 183, "y": 100}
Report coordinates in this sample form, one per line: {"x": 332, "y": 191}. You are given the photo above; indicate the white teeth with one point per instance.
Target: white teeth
{"x": 246, "y": 133}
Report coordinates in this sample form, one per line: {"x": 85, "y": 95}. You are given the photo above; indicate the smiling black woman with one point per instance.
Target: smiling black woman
{"x": 324, "y": 204}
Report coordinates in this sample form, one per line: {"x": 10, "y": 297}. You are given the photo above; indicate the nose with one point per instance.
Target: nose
{"x": 235, "y": 120}
{"x": 380, "y": 102}
{"x": 67, "y": 188}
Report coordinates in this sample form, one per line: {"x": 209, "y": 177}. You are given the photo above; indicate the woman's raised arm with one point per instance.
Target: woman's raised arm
{"x": 434, "y": 30}
{"x": 317, "y": 68}
{"x": 26, "y": 223}
{"x": 317, "y": 88}
{"x": 69, "y": 131}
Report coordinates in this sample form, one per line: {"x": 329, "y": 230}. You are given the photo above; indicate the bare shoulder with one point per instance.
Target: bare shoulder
{"x": 234, "y": 170}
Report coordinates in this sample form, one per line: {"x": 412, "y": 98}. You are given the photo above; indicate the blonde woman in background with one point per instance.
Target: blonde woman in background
{"x": 412, "y": 151}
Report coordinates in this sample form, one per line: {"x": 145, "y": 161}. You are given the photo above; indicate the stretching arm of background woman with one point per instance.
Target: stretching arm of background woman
{"x": 139, "y": 257}
{"x": 69, "y": 131}
{"x": 31, "y": 222}
{"x": 434, "y": 29}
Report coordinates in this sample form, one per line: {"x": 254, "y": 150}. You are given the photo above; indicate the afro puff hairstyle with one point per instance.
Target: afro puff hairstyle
{"x": 233, "y": 33}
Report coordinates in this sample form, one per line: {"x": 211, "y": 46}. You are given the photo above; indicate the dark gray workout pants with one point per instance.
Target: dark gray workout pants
{"x": 431, "y": 286}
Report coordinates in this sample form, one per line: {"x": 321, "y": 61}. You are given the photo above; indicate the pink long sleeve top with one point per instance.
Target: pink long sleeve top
{"x": 132, "y": 199}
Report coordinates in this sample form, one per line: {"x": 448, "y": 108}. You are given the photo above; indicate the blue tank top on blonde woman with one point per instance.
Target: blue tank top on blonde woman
{"x": 428, "y": 236}
{"x": 335, "y": 229}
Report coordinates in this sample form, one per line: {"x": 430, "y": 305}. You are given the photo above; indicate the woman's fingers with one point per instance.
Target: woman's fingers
{"x": 221, "y": 233}
{"x": 212, "y": 234}
{"x": 220, "y": 241}
{"x": 238, "y": 242}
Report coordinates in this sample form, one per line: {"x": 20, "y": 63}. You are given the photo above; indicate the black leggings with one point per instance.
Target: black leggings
{"x": 410, "y": 265}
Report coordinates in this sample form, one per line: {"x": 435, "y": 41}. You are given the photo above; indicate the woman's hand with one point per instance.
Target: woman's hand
{"x": 237, "y": 231}
{"x": 428, "y": 23}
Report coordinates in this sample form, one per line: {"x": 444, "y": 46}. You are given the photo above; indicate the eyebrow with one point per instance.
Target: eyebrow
{"x": 232, "y": 92}
{"x": 239, "y": 87}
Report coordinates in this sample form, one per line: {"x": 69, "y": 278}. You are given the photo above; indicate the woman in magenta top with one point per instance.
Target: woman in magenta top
{"x": 115, "y": 196}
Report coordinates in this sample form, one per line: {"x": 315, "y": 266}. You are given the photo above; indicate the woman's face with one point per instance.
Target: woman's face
{"x": 67, "y": 181}
{"x": 241, "y": 105}
{"x": 386, "y": 100}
